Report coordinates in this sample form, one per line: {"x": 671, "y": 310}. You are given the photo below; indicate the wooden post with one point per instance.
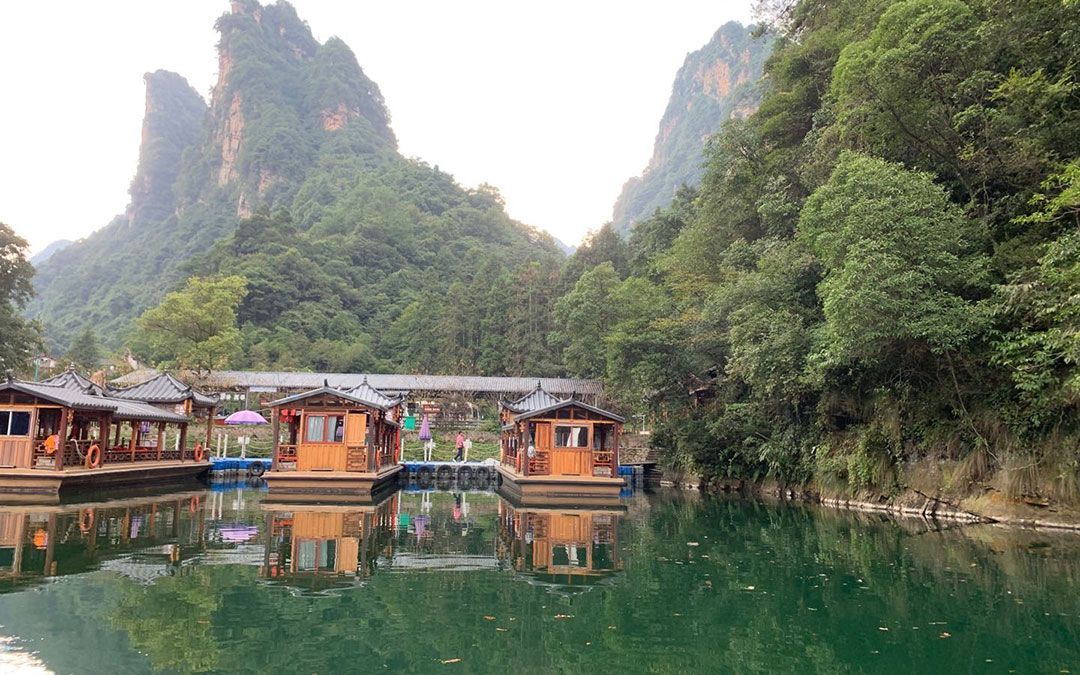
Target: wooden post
{"x": 61, "y": 430}
{"x": 615, "y": 455}
{"x": 134, "y": 439}
{"x": 209, "y": 428}
{"x": 370, "y": 443}
{"x": 275, "y": 423}
{"x": 160, "y": 439}
{"x": 183, "y": 440}
{"x": 116, "y": 442}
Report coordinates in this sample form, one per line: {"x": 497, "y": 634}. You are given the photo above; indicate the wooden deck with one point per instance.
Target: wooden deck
{"x": 44, "y": 486}
{"x": 334, "y": 486}
{"x": 560, "y": 490}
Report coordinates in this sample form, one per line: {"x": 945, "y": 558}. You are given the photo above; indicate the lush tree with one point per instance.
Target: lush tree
{"x": 902, "y": 266}
{"x": 85, "y": 352}
{"x": 583, "y": 318}
{"x": 194, "y": 327}
{"x": 20, "y": 337}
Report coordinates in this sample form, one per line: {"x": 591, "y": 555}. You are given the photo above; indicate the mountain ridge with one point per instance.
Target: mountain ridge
{"x": 291, "y": 124}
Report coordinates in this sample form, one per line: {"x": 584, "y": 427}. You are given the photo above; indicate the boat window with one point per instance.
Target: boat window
{"x": 335, "y": 428}
{"x": 325, "y": 428}
{"x": 316, "y": 428}
{"x": 14, "y": 423}
{"x": 571, "y": 437}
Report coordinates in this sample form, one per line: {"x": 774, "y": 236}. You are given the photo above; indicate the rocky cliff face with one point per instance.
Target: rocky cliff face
{"x": 719, "y": 82}
{"x": 291, "y": 124}
{"x": 174, "y": 114}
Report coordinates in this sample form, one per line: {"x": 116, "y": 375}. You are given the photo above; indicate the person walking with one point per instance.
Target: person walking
{"x": 460, "y": 447}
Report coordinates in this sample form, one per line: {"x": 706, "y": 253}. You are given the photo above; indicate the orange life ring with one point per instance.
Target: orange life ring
{"x": 193, "y": 505}
{"x": 199, "y": 454}
{"x": 93, "y": 457}
{"x": 86, "y": 520}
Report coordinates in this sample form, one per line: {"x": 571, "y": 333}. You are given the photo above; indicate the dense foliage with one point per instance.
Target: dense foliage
{"x": 194, "y": 328}
{"x": 20, "y": 337}
{"x": 875, "y": 285}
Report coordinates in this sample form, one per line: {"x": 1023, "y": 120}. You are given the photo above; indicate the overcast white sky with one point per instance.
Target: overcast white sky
{"x": 554, "y": 103}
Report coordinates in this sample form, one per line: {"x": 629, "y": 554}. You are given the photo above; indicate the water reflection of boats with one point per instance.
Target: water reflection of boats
{"x": 565, "y": 549}
{"x": 318, "y": 547}
{"x": 141, "y": 538}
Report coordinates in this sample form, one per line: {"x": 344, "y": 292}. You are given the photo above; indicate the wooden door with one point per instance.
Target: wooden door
{"x": 544, "y": 436}
{"x": 356, "y": 429}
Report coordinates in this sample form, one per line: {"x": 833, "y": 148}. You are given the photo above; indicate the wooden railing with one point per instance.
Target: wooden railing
{"x": 286, "y": 459}
{"x": 540, "y": 465}
{"x": 604, "y": 463}
{"x": 75, "y": 452}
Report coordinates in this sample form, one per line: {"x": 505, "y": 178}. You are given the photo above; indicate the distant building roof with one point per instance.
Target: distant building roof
{"x": 289, "y": 381}
{"x": 163, "y": 388}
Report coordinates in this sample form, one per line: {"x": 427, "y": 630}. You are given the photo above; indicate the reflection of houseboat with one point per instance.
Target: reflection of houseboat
{"x": 338, "y": 444}
{"x": 133, "y": 537}
{"x": 315, "y": 548}
{"x": 67, "y": 432}
{"x": 561, "y": 547}
{"x": 555, "y": 450}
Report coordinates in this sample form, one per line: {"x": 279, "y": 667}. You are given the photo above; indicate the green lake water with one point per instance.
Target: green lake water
{"x": 225, "y": 582}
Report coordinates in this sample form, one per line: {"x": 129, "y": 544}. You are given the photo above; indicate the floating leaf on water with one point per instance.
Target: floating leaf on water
{"x": 451, "y": 661}
{"x": 490, "y": 618}
{"x": 749, "y": 588}
{"x": 564, "y": 616}
{"x": 883, "y": 628}
{"x": 611, "y": 627}
{"x": 945, "y": 635}
{"x": 692, "y": 543}
{"x": 501, "y": 630}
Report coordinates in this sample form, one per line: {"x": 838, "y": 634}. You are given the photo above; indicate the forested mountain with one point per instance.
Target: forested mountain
{"x": 719, "y": 82}
{"x": 874, "y": 287}
{"x": 341, "y": 239}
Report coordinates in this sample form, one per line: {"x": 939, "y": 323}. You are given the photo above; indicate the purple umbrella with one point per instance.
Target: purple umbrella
{"x": 425, "y": 430}
{"x": 245, "y": 417}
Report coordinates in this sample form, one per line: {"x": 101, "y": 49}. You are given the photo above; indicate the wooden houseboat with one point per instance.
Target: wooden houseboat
{"x": 67, "y": 432}
{"x": 315, "y": 548}
{"x": 334, "y": 444}
{"x": 559, "y": 450}
{"x": 560, "y": 547}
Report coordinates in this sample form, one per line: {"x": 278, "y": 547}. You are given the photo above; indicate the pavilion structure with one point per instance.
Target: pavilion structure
{"x": 67, "y": 432}
{"x": 559, "y": 449}
{"x": 341, "y": 444}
